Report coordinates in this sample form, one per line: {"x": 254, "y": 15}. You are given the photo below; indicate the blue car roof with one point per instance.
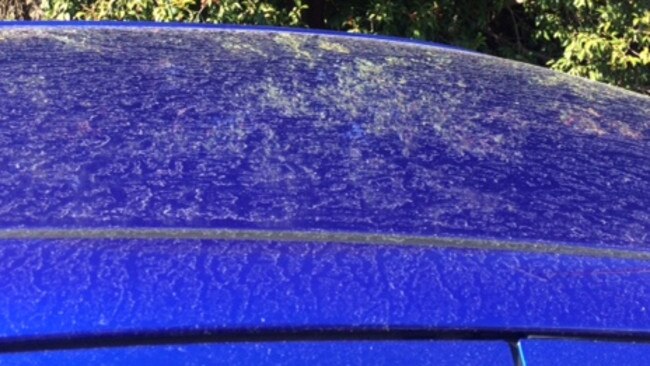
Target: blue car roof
{"x": 207, "y": 179}
{"x": 226, "y": 128}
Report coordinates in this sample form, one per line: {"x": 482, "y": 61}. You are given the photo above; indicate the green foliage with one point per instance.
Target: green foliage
{"x": 605, "y": 40}
{"x": 211, "y": 11}
{"x": 459, "y": 22}
{"x": 20, "y": 9}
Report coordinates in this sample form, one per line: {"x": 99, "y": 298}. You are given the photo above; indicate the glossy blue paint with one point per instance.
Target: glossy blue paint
{"x": 551, "y": 352}
{"x": 411, "y": 353}
{"x": 481, "y": 194}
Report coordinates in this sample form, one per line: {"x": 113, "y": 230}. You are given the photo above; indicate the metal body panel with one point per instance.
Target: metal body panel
{"x": 291, "y": 181}
{"x": 543, "y": 352}
{"x": 224, "y": 128}
{"x": 57, "y": 288}
{"x": 416, "y": 353}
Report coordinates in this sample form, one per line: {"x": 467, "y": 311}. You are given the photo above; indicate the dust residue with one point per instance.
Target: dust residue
{"x": 331, "y": 46}
{"x": 376, "y": 97}
{"x": 293, "y": 43}
{"x": 584, "y": 117}
{"x": 237, "y": 46}
{"x": 76, "y": 40}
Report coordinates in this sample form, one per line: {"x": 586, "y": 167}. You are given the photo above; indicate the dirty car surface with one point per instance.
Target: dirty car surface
{"x": 206, "y": 183}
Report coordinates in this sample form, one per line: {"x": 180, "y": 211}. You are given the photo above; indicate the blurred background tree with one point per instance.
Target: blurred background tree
{"x": 20, "y": 9}
{"x": 604, "y": 40}
{"x": 607, "y": 41}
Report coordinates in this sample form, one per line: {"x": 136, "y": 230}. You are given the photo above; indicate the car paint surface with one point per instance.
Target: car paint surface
{"x": 188, "y": 180}
{"x": 81, "y": 288}
{"x": 416, "y": 353}
{"x": 542, "y": 352}
{"x": 130, "y": 127}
